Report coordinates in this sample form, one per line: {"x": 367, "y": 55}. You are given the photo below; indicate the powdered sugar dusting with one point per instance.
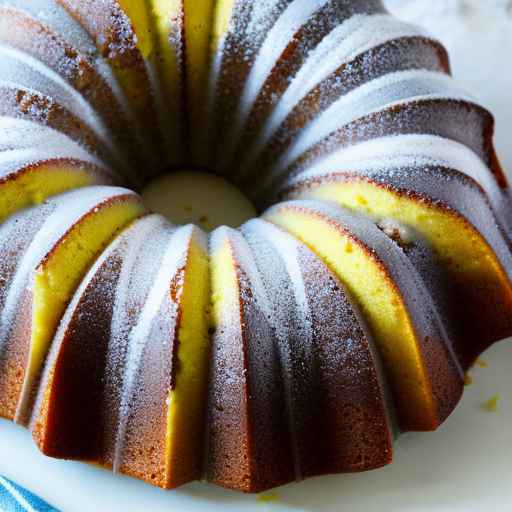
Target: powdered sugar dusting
{"x": 429, "y": 332}
{"x": 393, "y": 155}
{"x": 26, "y": 71}
{"x": 473, "y": 32}
{"x": 278, "y": 38}
{"x": 122, "y": 246}
{"x": 14, "y": 160}
{"x": 277, "y": 256}
{"x": 62, "y": 24}
{"x": 60, "y": 214}
{"x": 173, "y": 259}
{"x": 349, "y": 39}
{"x": 30, "y": 141}
{"x": 392, "y": 89}
{"x": 53, "y": 15}
{"x": 314, "y": 321}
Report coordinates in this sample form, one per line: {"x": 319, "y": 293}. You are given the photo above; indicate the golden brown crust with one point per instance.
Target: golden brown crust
{"x": 248, "y": 445}
{"x": 352, "y": 426}
{"x": 107, "y": 203}
{"x": 13, "y": 359}
{"x": 346, "y": 422}
{"x": 100, "y": 175}
{"x": 442, "y": 378}
{"x": 71, "y": 421}
{"x": 115, "y": 38}
{"x": 445, "y": 117}
{"x": 25, "y": 104}
{"x": 30, "y": 35}
{"x": 481, "y": 313}
{"x": 387, "y": 57}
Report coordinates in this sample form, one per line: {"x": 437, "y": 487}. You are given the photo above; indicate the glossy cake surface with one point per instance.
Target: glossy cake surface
{"x": 298, "y": 344}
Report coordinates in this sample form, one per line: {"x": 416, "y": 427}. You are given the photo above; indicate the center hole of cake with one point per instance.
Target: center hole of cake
{"x": 199, "y": 198}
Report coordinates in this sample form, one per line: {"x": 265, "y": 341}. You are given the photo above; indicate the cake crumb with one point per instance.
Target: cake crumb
{"x": 492, "y": 404}
{"x": 399, "y": 233}
{"x": 481, "y": 363}
{"x": 268, "y": 498}
{"x": 468, "y": 379}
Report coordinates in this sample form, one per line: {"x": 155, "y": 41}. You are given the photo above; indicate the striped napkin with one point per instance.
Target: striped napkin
{"x": 14, "y": 498}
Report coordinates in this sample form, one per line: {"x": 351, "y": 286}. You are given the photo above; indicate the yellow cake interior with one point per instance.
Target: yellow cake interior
{"x": 222, "y": 16}
{"x": 58, "y": 276}
{"x": 380, "y": 300}
{"x": 187, "y": 399}
{"x": 32, "y": 186}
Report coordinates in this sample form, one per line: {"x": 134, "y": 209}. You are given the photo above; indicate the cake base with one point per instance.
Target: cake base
{"x": 468, "y": 452}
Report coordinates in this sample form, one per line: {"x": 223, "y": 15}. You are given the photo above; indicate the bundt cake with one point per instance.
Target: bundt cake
{"x": 271, "y": 349}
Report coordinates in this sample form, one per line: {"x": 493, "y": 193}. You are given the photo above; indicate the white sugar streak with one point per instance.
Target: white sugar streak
{"x": 59, "y": 22}
{"x": 173, "y": 259}
{"x": 395, "y": 154}
{"x": 27, "y": 72}
{"x": 276, "y": 254}
{"x": 64, "y": 212}
{"x": 278, "y": 38}
{"x": 351, "y": 38}
{"x": 389, "y": 90}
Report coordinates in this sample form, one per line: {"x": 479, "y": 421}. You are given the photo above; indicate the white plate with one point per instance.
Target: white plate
{"x": 463, "y": 467}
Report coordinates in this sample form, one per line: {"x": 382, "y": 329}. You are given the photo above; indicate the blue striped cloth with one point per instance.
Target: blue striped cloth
{"x": 14, "y": 498}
